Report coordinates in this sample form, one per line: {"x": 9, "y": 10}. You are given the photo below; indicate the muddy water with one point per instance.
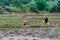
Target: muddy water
{"x": 29, "y": 34}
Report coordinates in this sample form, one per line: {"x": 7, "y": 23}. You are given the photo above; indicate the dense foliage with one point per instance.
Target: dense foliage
{"x": 41, "y": 4}
{"x": 56, "y": 8}
{"x": 28, "y": 6}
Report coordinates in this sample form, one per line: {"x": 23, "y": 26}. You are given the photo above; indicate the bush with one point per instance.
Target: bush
{"x": 25, "y": 1}
{"x": 53, "y": 9}
{"x": 30, "y": 7}
{"x": 1, "y": 9}
{"x": 58, "y": 6}
{"x": 14, "y": 9}
{"x": 41, "y": 4}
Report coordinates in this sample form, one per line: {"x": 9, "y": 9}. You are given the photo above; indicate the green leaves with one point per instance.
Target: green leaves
{"x": 56, "y": 8}
{"x": 41, "y": 4}
{"x": 25, "y": 1}
{"x": 29, "y": 6}
{"x": 1, "y": 9}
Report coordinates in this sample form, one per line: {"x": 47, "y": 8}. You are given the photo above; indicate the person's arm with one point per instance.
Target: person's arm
{"x": 43, "y": 21}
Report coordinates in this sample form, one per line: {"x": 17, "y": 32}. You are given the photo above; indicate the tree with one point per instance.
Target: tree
{"x": 41, "y": 4}
{"x": 1, "y": 9}
{"x": 53, "y": 9}
{"x": 1, "y": 4}
{"x": 58, "y": 6}
{"x": 25, "y": 1}
{"x": 47, "y": 0}
{"x": 5, "y": 2}
{"x": 17, "y": 3}
{"x": 30, "y": 7}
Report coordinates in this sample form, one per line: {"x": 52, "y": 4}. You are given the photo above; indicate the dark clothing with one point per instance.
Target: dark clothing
{"x": 24, "y": 24}
{"x": 46, "y": 20}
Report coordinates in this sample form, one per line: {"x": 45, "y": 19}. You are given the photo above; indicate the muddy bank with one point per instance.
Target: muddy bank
{"x": 30, "y": 32}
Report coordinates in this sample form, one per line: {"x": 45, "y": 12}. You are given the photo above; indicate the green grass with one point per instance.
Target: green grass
{"x": 16, "y": 21}
{"x": 41, "y": 16}
{"x": 58, "y": 32}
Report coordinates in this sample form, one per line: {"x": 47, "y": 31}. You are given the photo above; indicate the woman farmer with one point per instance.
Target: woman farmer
{"x": 25, "y": 22}
{"x": 46, "y": 21}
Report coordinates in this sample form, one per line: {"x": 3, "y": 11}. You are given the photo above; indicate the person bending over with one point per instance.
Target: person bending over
{"x": 46, "y": 21}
